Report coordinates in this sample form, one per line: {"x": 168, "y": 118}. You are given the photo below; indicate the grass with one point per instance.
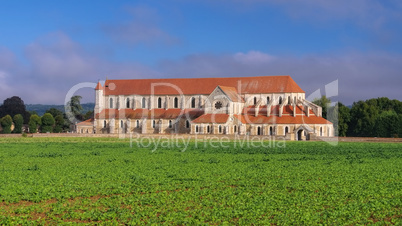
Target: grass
{"x": 104, "y": 180}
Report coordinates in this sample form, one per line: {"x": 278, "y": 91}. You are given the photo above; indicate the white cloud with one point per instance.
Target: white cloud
{"x": 55, "y": 63}
{"x": 361, "y": 76}
{"x": 253, "y": 57}
{"x": 143, "y": 28}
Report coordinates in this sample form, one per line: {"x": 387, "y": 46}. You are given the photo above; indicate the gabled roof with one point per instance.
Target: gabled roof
{"x": 231, "y": 92}
{"x": 193, "y": 86}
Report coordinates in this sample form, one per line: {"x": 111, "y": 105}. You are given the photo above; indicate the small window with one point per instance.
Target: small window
{"x": 208, "y": 129}
{"x": 255, "y": 100}
{"x": 320, "y": 131}
{"x": 110, "y": 103}
{"x": 286, "y": 130}
{"x": 271, "y": 131}
{"x": 121, "y": 124}
{"x": 127, "y": 103}
{"x": 235, "y": 129}
{"x": 280, "y": 100}
{"x": 159, "y": 102}
{"x": 187, "y": 124}
{"x": 196, "y": 129}
{"x": 267, "y": 100}
{"x": 192, "y": 102}
{"x": 288, "y": 99}
{"x": 220, "y": 129}
{"x": 144, "y": 102}
{"x": 138, "y": 124}
{"x": 104, "y": 124}
{"x": 258, "y": 130}
{"x": 153, "y": 124}
{"x": 176, "y": 102}
{"x": 294, "y": 100}
{"x": 170, "y": 123}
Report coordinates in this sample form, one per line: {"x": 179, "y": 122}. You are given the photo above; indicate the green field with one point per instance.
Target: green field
{"x": 104, "y": 180}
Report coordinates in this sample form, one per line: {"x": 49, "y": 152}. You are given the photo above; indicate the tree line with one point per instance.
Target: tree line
{"x": 13, "y": 113}
{"x": 377, "y": 117}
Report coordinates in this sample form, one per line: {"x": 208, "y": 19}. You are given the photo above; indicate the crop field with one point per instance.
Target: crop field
{"x": 108, "y": 180}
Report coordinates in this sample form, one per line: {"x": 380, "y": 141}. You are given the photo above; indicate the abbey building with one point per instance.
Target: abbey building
{"x": 261, "y": 106}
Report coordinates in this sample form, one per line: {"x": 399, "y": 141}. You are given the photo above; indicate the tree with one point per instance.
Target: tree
{"x": 74, "y": 108}
{"x": 47, "y": 123}
{"x": 343, "y": 119}
{"x": 18, "y": 122}
{"x": 363, "y": 117}
{"x": 324, "y": 103}
{"x": 59, "y": 123}
{"x": 54, "y": 112}
{"x": 34, "y": 122}
{"x": 13, "y": 106}
{"x": 6, "y": 123}
{"x": 388, "y": 124}
{"x": 88, "y": 115}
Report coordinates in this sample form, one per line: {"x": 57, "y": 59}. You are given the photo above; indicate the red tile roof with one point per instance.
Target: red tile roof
{"x": 212, "y": 118}
{"x": 89, "y": 122}
{"x": 98, "y": 86}
{"x": 287, "y": 119}
{"x": 231, "y": 92}
{"x": 193, "y": 86}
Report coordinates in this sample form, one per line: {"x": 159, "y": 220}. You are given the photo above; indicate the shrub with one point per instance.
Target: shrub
{"x": 6, "y": 123}
{"x": 18, "y": 122}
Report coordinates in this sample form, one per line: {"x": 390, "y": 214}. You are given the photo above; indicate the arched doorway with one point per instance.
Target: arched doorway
{"x": 299, "y": 134}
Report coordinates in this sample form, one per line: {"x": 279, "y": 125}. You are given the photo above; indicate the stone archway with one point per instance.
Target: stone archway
{"x": 302, "y": 129}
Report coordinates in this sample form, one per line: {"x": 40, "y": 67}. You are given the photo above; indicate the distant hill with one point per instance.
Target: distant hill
{"x": 41, "y": 108}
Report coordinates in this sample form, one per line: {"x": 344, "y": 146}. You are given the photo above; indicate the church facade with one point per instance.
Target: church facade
{"x": 260, "y": 106}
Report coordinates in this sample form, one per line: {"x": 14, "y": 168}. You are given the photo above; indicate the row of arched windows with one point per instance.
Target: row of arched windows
{"x": 159, "y": 103}
{"x": 280, "y": 100}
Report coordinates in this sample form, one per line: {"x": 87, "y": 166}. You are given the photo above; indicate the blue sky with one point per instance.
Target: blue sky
{"x": 47, "y": 47}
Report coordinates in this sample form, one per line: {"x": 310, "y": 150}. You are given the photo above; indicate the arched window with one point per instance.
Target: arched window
{"x": 153, "y": 124}
{"x": 255, "y": 100}
{"x": 196, "y": 129}
{"x": 187, "y": 124}
{"x": 128, "y": 103}
{"x": 271, "y": 131}
{"x": 144, "y": 103}
{"x": 320, "y": 131}
{"x": 159, "y": 102}
{"x": 267, "y": 100}
{"x": 192, "y": 102}
{"x": 170, "y": 123}
{"x": 220, "y": 129}
{"x": 280, "y": 100}
{"x": 208, "y": 129}
{"x": 176, "y": 102}
{"x": 104, "y": 123}
{"x": 111, "y": 103}
{"x": 138, "y": 124}
{"x": 235, "y": 129}
{"x": 258, "y": 130}
{"x": 288, "y": 99}
{"x": 286, "y": 130}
